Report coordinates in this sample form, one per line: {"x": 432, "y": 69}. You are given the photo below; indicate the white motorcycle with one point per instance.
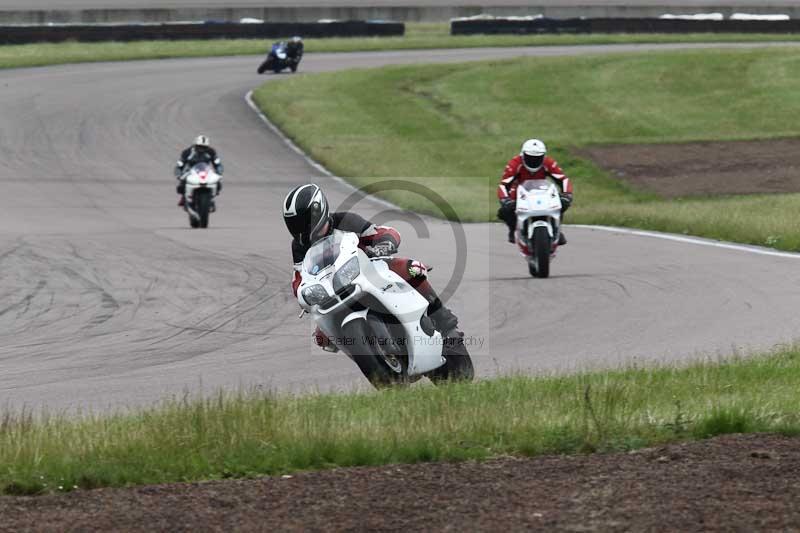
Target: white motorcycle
{"x": 374, "y": 316}
{"x": 538, "y": 224}
{"x": 202, "y": 185}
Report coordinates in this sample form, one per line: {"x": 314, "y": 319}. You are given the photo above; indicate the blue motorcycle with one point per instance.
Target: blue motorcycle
{"x": 279, "y": 59}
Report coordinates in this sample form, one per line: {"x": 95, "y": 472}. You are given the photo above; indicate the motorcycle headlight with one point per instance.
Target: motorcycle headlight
{"x": 315, "y": 294}
{"x": 345, "y": 275}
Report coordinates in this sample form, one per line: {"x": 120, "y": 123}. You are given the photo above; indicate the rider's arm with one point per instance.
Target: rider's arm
{"x": 505, "y": 187}
{"x": 379, "y": 234}
{"x": 180, "y": 166}
{"x": 216, "y": 161}
{"x": 297, "y": 279}
{"x": 555, "y": 172}
{"x": 298, "y": 254}
{"x": 369, "y": 234}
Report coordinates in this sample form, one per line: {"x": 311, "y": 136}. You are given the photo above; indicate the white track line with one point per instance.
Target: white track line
{"x": 691, "y": 240}
{"x": 277, "y": 131}
{"x": 640, "y": 233}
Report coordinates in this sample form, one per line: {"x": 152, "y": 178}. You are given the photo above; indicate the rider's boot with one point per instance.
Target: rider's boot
{"x": 444, "y": 320}
{"x": 510, "y": 218}
{"x": 180, "y": 188}
{"x": 446, "y": 323}
{"x": 562, "y": 239}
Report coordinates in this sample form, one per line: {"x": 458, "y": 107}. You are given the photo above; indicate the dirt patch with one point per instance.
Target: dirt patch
{"x": 741, "y": 482}
{"x": 703, "y": 168}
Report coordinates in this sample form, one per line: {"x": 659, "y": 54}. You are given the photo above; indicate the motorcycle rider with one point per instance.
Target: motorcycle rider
{"x": 199, "y": 152}
{"x": 307, "y": 217}
{"x": 532, "y": 163}
{"x": 294, "y": 51}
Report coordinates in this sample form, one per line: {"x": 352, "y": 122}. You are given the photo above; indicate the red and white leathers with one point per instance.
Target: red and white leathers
{"x": 516, "y": 173}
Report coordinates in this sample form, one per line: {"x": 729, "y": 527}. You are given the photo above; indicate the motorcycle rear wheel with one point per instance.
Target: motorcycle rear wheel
{"x": 458, "y": 365}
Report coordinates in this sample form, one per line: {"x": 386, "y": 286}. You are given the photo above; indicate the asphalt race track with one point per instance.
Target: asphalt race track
{"x": 108, "y": 299}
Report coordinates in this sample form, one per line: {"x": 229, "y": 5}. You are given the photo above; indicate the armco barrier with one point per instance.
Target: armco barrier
{"x": 208, "y": 30}
{"x": 620, "y": 25}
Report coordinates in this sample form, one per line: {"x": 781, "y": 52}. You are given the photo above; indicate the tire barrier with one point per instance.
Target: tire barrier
{"x": 620, "y": 25}
{"x": 201, "y": 30}
{"x": 519, "y": 26}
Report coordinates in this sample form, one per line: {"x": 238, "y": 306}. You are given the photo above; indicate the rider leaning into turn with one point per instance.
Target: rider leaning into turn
{"x": 199, "y": 152}
{"x": 307, "y": 216}
{"x": 532, "y": 163}
{"x": 294, "y": 49}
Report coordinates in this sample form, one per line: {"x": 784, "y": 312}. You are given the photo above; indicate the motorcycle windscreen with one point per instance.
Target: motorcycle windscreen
{"x": 534, "y": 185}
{"x": 323, "y": 254}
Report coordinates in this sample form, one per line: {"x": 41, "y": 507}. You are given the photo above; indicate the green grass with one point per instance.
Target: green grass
{"x": 453, "y": 127}
{"x": 245, "y": 435}
{"x": 418, "y": 36}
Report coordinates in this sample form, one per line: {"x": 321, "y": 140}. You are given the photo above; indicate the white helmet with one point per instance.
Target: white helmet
{"x": 533, "y": 152}
{"x": 202, "y": 140}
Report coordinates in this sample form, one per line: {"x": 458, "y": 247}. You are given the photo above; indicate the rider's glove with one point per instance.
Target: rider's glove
{"x": 566, "y": 200}
{"x": 507, "y": 207}
{"x": 508, "y": 204}
{"x": 417, "y": 270}
{"x": 381, "y": 249}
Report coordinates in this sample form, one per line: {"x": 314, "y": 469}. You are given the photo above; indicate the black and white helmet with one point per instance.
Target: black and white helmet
{"x": 305, "y": 211}
{"x": 202, "y": 140}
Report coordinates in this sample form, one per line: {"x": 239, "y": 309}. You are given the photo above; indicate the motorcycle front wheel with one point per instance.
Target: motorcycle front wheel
{"x": 203, "y": 206}
{"x": 382, "y": 368}
{"x": 539, "y": 263}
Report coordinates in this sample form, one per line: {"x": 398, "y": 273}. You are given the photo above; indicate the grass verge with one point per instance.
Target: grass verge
{"x": 418, "y": 36}
{"x": 453, "y": 127}
{"x": 245, "y": 435}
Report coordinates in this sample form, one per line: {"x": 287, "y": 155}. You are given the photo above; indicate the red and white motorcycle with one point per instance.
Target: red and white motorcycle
{"x": 202, "y": 185}
{"x": 538, "y": 224}
{"x": 374, "y": 316}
